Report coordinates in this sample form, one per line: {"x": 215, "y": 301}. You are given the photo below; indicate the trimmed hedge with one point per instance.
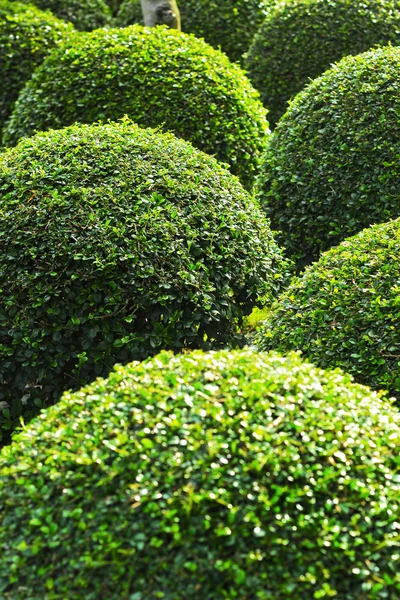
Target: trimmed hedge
{"x": 221, "y": 475}
{"x": 301, "y": 39}
{"x": 26, "y": 36}
{"x": 117, "y": 242}
{"x": 345, "y": 310}
{"x": 84, "y": 14}
{"x": 157, "y": 77}
{"x": 226, "y": 24}
{"x": 332, "y": 165}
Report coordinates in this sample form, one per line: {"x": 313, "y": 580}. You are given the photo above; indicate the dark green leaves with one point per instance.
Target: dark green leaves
{"x": 299, "y": 40}
{"x": 332, "y": 163}
{"x": 117, "y": 242}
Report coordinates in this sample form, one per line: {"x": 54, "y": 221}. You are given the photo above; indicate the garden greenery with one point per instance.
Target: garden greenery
{"x": 156, "y": 76}
{"x": 219, "y": 475}
{"x": 117, "y": 242}
{"x": 27, "y": 35}
{"x": 84, "y": 14}
{"x": 226, "y": 24}
{"x": 332, "y": 164}
{"x": 300, "y": 39}
{"x": 344, "y": 310}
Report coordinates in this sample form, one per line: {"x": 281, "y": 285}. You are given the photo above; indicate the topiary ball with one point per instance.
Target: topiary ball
{"x": 156, "y": 76}
{"x": 221, "y": 475}
{"x": 332, "y": 165}
{"x": 117, "y": 242}
{"x": 300, "y": 39}
{"x": 227, "y": 24}
{"x": 84, "y": 14}
{"x": 26, "y": 36}
{"x": 344, "y": 310}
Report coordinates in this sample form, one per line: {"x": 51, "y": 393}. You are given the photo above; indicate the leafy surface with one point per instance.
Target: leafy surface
{"x": 84, "y": 14}
{"x": 332, "y": 165}
{"x": 221, "y": 475}
{"x": 226, "y": 24}
{"x": 345, "y": 310}
{"x": 158, "y": 77}
{"x": 27, "y": 35}
{"x": 117, "y": 242}
{"x": 300, "y": 39}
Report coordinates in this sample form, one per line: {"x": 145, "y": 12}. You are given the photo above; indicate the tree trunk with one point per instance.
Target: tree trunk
{"x": 161, "y": 12}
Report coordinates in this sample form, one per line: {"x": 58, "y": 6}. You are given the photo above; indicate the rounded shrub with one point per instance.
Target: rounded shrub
{"x": 117, "y": 242}
{"x": 344, "y": 310}
{"x": 220, "y": 475}
{"x": 332, "y": 164}
{"x": 226, "y": 24}
{"x": 84, "y": 14}
{"x": 157, "y": 77}
{"x": 300, "y": 39}
{"x": 26, "y": 36}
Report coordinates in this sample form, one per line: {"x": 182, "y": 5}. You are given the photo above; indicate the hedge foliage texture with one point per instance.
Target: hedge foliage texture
{"x": 27, "y": 35}
{"x": 84, "y": 14}
{"x": 332, "y": 167}
{"x": 155, "y": 76}
{"x": 221, "y": 475}
{"x": 345, "y": 309}
{"x": 117, "y": 242}
{"x": 300, "y": 39}
{"x": 226, "y": 24}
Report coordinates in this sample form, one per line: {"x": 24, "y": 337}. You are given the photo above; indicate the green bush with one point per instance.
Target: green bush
{"x": 332, "y": 166}
{"x": 115, "y": 5}
{"x": 227, "y": 24}
{"x": 117, "y": 242}
{"x": 345, "y": 310}
{"x": 221, "y": 475}
{"x": 302, "y": 38}
{"x": 84, "y": 14}
{"x": 26, "y": 36}
{"x": 157, "y": 77}
{"x": 130, "y": 13}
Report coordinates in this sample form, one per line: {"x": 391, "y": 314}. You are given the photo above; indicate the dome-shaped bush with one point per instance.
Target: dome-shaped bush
{"x": 345, "y": 309}
{"x": 332, "y": 167}
{"x": 155, "y": 76}
{"x": 117, "y": 242}
{"x": 221, "y": 475}
{"x": 84, "y": 14}
{"x": 26, "y": 36}
{"x": 226, "y": 24}
{"x": 302, "y": 38}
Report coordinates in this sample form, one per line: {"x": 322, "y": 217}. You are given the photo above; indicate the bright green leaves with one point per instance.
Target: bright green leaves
{"x": 157, "y": 77}
{"x": 344, "y": 311}
{"x": 220, "y": 475}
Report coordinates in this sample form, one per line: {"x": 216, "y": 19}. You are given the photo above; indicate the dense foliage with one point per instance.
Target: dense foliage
{"x": 117, "y": 242}
{"x": 332, "y": 166}
{"x": 345, "y": 310}
{"x": 155, "y": 76}
{"x": 226, "y": 24}
{"x": 301, "y": 39}
{"x": 84, "y": 14}
{"x": 221, "y": 475}
{"x": 26, "y": 36}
